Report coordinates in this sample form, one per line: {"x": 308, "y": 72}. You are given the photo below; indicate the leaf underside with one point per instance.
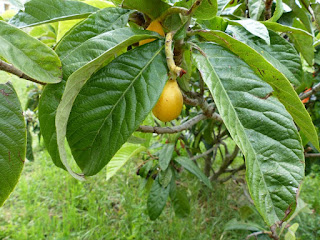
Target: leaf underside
{"x": 261, "y": 127}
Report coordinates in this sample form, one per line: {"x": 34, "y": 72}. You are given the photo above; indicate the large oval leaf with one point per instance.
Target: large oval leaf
{"x": 114, "y": 41}
{"x": 280, "y": 53}
{"x": 52, "y": 94}
{"x": 38, "y": 12}
{"x": 112, "y": 104}
{"x": 29, "y": 55}
{"x": 282, "y": 88}
{"x": 13, "y": 140}
{"x": 261, "y": 127}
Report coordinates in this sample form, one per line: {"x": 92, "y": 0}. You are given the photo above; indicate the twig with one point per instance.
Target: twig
{"x": 174, "y": 69}
{"x": 232, "y": 172}
{"x": 180, "y": 128}
{"x": 255, "y": 234}
{"x": 315, "y": 89}
{"x": 204, "y": 154}
{"x": 312, "y": 155}
{"x": 267, "y": 13}
{"x": 11, "y": 69}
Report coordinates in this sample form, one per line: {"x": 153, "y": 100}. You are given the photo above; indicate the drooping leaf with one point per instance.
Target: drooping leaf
{"x": 302, "y": 40}
{"x": 157, "y": 199}
{"x": 13, "y": 140}
{"x": 113, "y": 103}
{"x": 280, "y": 53}
{"x": 179, "y": 198}
{"x": 190, "y": 166}
{"x": 260, "y": 126}
{"x": 282, "y": 88}
{"x": 278, "y": 12}
{"x": 256, "y": 8}
{"x": 38, "y": 12}
{"x": 301, "y": 12}
{"x": 254, "y": 27}
{"x": 124, "y": 154}
{"x": 97, "y": 24}
{"x": 113, "y": 41}
{"x": 153, "y": 8}
{"x": 29, "y": 55}
{"x": 165, "y": 155}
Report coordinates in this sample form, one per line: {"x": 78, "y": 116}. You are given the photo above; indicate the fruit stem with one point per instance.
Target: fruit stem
{"x": 174, "y": 69}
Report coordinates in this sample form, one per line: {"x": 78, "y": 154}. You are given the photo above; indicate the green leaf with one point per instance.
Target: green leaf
{"x": 113, "y": 41}
{"x": 280, "y": 53}
{"x": 165, "y": 155}
{"x": 256, "y": 8}
{"x": 316, "y": 11}
{"x": 97, "y": 24}
{"x": 124, "y": 154}
{"x": 302, "y": 40}
{"x": 261, "y": 127}
{"x": 38, "y": 12}
{"x": 153, "y": 8}
{"x": 113, "y": 103}
{"x": 282, "y": 88}
{"x": 291, "y": 234}
{"x": 207, "y": 9}
{"x": 234, "y": 224}
{"x": 29, "y": 154}
{"x": 29, "y": 55}
{"x": 193, "y": 168}
{"x": 165, "y": 177}
{"x": 278, "y": 12}
{"x": 180, "y": 201}
{"x": 99, "y": 3}
{"x": 13, "y": 139}
{"x": 254, "y": 27}
{"x": 157, "y": 199}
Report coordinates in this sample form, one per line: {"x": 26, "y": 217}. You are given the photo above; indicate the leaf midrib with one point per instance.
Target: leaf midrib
{"x": 241, "y": 126}
{"x": 129, "y": 87}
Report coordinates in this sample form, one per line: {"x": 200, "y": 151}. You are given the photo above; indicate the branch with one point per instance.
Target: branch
{"x": 12, "y": 69}
{"x": 177, "y": 71}
{"x": 315, "y": 89}
{"x": 232, "y": 172}
{"x": 179, "y": 128}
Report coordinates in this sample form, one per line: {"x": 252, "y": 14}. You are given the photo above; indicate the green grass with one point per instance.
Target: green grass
{"x": 48, "y": 204}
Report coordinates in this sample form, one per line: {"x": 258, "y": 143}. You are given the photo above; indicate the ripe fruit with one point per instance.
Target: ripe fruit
{"x": 170, "y": 103}
{"x": 154, "y": 26}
